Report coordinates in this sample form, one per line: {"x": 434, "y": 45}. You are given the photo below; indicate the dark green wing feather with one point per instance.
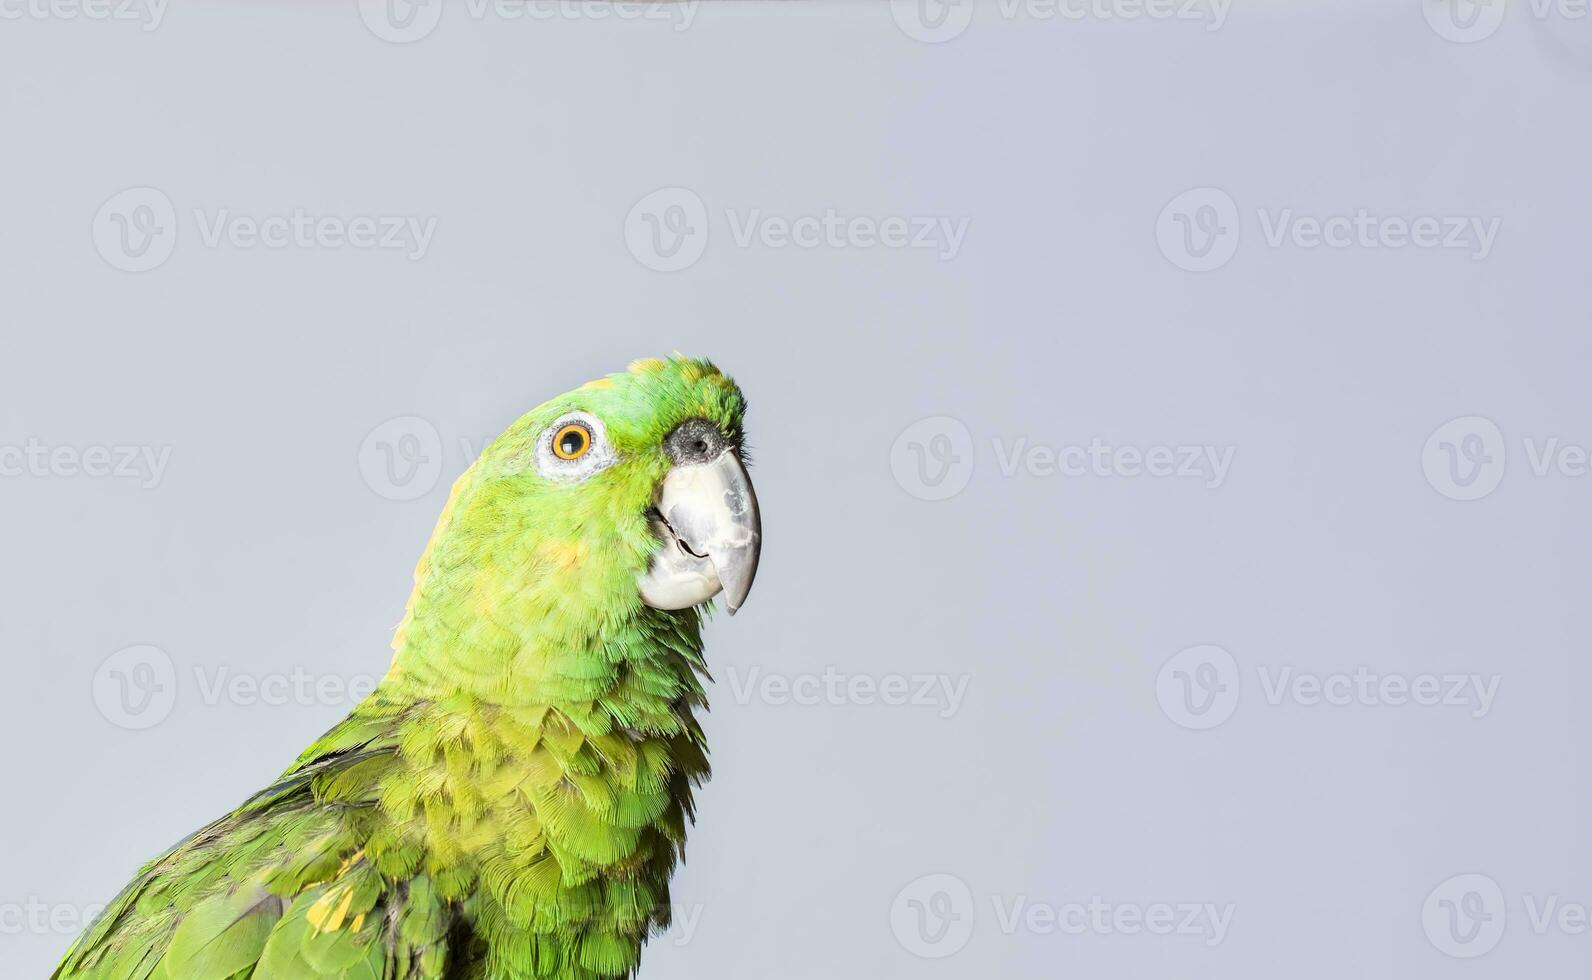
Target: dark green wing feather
{"x": 280, "y": 889}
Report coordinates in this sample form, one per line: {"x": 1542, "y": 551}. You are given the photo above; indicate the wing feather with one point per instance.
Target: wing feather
{"x": 278, "y": 889}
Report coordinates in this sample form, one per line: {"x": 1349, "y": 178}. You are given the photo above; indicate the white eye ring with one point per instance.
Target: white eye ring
{"x": 598, "y": 456}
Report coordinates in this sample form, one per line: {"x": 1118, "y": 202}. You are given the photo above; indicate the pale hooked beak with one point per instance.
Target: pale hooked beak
{"x": 707, "y": 519}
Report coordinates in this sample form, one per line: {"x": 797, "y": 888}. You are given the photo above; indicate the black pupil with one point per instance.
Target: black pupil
{"x": 572, "y": 442}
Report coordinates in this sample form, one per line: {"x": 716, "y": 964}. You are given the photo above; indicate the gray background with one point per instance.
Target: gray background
{"x": 266, "y": 547}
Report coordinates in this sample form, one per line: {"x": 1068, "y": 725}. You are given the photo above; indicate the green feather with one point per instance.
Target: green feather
{"x": 223, "y": 935}
{"x": 511, "y": 801}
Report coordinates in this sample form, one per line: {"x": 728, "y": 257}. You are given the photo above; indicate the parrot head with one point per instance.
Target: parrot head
{"x": 626, "y": 494}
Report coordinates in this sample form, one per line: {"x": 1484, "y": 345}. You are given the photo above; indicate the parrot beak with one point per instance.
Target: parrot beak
{"x": 707, "y": 518}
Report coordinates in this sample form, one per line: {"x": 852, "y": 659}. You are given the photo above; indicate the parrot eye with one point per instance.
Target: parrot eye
{"x": 574, "y": 447}
{"x": 572, "y": 441}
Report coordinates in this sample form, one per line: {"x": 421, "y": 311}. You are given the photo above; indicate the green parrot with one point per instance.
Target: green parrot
{"x": 511, "y": 801}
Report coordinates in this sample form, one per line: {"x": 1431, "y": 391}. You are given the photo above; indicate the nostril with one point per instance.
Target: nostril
{"x": 692, "y": 441}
